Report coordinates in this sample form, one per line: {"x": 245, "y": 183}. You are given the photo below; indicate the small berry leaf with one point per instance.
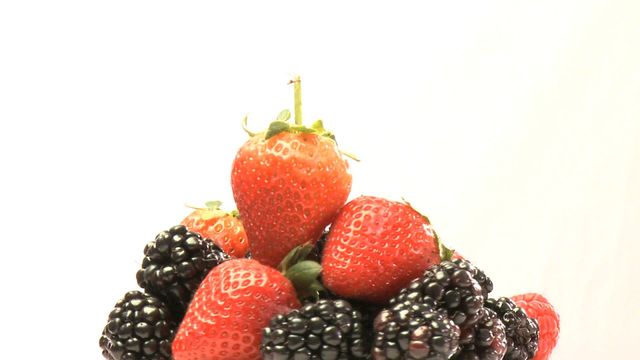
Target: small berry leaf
{"x": 304, "y": 277}
{"x": 276, "y": 128}
{"x": 302, "y": 129}
{"x": 318, "y": 126}
{"x": 446, "y": 254}
{"x": 295, "y": 256}
{"x": 284, "y": 115}
{"x": 312, "y": 292}
{"x": 213, "y": 205}
{"x": 245, "y": 126}
{"x": 303, "y": 273}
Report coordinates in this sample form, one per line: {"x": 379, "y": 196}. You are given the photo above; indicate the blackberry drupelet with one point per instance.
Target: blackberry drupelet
{"x": 326, "y": 330}
{"x": 522, "y": 332}
{"x": 175, "y": 264}
{"x": 410, "y": 330}
{"x": 485, "y": 282}
{"x": 485, "y": 341}
{"x": 452, "y": 286}
{"x": 139, "y": 328}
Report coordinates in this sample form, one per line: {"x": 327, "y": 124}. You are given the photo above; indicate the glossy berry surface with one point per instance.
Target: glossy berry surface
{"x": 376, "y": 247}
{"x": 288, "y": 188}
{"x": 175, "y": 263}
{"x": 321, "y": 331}
{"x": 234, "y": 303}
{"x": 521, "y": 330}
{"x": 486, "y": 340}
{"x": 224, "y": 229}
{"x": 483, "y": 280}
{"x": 409, "y": 331}
{"x": 539, "y": 308}
{"x": 139, "y": 328}
{"x": 452, "y": 286}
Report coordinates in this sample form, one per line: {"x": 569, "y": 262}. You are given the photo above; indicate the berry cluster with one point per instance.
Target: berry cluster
{"x": 327, "y": 329}
{"x": 299, "y": 273}
{"x": 175, "y": 263}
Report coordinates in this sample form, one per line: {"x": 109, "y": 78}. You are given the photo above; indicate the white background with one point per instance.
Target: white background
{"x": 515, "y": 127}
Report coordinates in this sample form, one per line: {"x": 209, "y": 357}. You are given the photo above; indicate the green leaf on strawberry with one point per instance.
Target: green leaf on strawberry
{"x": 213, "y": 205}
{"x": 284, "y": 115}
{"x": 446, "y": 254}
{"x": 302, "y": 273}
{"x": 276, "y": 128}
{"x": 304, "y": 277}
{"x": 296, "y": 255}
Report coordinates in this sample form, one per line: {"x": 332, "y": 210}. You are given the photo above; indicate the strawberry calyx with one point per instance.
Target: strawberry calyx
{"x": 302, "y": 273}
{"x": 446, "y": 254}
{"x": 282, "y": 122}
{"x": 212, "y": 209}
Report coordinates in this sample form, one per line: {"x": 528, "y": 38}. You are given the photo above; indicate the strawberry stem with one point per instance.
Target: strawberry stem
{"x": 297, "y": 100}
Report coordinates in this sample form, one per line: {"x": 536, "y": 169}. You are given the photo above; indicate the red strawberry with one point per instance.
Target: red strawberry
{"x": 223, "y": 228}
{"x": 538, "y": 307}
{"x": 376, "y": 247}
{"x": 289, "y": 183}
{"x": 228, "y": 312}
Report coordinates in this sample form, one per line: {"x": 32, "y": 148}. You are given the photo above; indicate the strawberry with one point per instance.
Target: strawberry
{"x": 236, "y": 301}
{"x": 289, "y": 183}
{"x": 223, "y": 228}
{"x": 538, "y": 307}
{"x": 376, "y": 247}
{"x": 228, "y": 312}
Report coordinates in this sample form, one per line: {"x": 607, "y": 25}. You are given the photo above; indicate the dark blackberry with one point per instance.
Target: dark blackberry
{"x": 452, "y": 286}
{"x": 368, "y": 311}
{"x": 175, "y": 264}
{"x": 326, "y": 330}
{"x": 522, "y": 331}
{"x": 410, "y": 330}
{"x": 485, "y": 341}
{"x": 485, "y": 282}
{"x": 318, "y": 248}
{"x": 138, "y": 328}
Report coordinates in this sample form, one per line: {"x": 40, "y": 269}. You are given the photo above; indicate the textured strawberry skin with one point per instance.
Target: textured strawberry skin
{"x": 288, "y": 189}
{"x": 234, "y": 302}
{"x": 225, "y": 231}
{"x": 376, "y": 247}
{"x": 539, "y": 308}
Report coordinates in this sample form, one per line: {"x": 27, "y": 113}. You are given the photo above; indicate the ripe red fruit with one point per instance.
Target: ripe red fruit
{"x": 228, "y": 312}
{"x": 288, "y": 183}
{"x": 538, "y": 307}
{"x": 224, "y": 229}
{"x": 376, "y": 247}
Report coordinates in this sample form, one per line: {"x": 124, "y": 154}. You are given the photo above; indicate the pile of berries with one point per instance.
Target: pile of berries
{"x": 297, "y": 272}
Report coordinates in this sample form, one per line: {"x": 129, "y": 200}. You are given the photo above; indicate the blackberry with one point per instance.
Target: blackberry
{"x": 452, "y": 286}
{"x": 522, "y": 331}
{"x": 485, "y": 282}
{"x": 138, "y": 328}
{"x": 175, "y": 264}
{"x": 485, "y": 341}
{"x": 326, "y": 330}
{"x": 410, "y": 330}
{"x": 318, "y": 248}
{"x": 369, "y": 311}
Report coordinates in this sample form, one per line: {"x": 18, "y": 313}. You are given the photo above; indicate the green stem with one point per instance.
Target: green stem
{"x": 297, "y": 99}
